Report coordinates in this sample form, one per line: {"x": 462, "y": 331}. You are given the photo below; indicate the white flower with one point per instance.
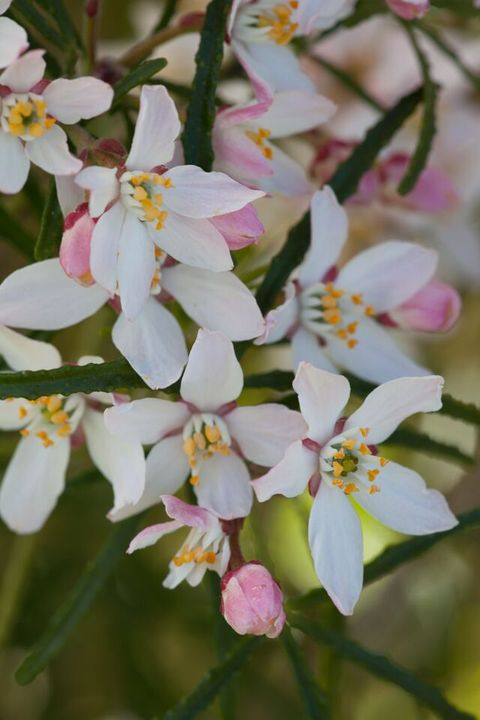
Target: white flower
{"x": 205, "y": 435}
{"x": 205, "y": 548}
{"x": 339, "y": 459}
{"x": 144, "y": 208}
{"x": 28, "y": 119}
{"x": 332, "y": 315}
{"x": 13, "y": 38}
{"x": 35, "y": 476}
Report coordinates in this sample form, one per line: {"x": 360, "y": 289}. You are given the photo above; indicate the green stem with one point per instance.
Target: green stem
{"x": 13, "y": 584}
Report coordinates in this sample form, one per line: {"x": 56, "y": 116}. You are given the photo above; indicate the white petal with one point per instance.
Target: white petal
{"x": 264, "y": 432}
{"x": 156, "y": 129}
{"x": 287, "y": 178}
{"x": 13, "y": 41}
{"x": 103, "y": 186}
{"x": 23, "y": 353}
{"x": 390, "y": 404}
{"x": 224, "y": 486}
{"x": 335, "y": 537}
{"x": 290, "y": 476}
{"x": 11, "y": 417}
{"x": 153, "y": 344}
{"x": 32, "y": 483}
{"x": 217, "y": 301}
{"x": 322, "y": 397}
{"x": 80, "y": 99}
{"x": 150, "y": 535}
{"x": 295, "y": 111}
{"x": 25, "y": 72}
{"x": 306, "y": 347}
{"x": 14, "y": 164}
{"x": 193, "y": 242}
{"x": 328, "y": 235}
{"x": 51, "y": 153}
{"x": 104, "y": 248}
{"x": 167, "y": 470}
{"x": 213, "y": 375}
{"x": 136, "y": 265}
{"x": 405, "y": 504}
{"x": 146, "y": 420}
{"x": 388, "y": 274}
{"x": 69, "y": 195}
{"x": 275, "y": 64}
{"x": 122, "y": 462}
{"x": 282, "y": 319}
{"x": 41, "y": 297}
{"x": 4, "y": 5}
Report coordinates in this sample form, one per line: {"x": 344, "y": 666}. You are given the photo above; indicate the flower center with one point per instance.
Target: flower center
{"x": 278, "y": 22}
{"x": 259, "y": 138}
{"x": 350, "y": 465}
{"x": 50, "y": 419}
{"x": 203, "y": 436}
{"x": 194, "y": 555}
{"x": 25, "y": 116}
{"x": 142, "y": 194}
{"x": 327, "y": 310}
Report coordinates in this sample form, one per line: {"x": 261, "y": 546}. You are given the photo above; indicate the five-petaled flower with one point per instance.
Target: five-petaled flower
{"x": 339, "y": 461}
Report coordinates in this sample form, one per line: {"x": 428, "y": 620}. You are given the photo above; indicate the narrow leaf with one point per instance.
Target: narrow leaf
{"x": 51, "y": 227}
{"x": 139, "y": 75}
{"x": 63, "y": 20}
{"x": 380, "y": 666}
{"x": 167, "y": 14}
{"x": 24, "y": 11}
{"x": 314, "y": 699}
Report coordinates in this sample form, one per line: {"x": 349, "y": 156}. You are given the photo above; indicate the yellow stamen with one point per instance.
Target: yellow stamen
{"x": 350, "y": 488}
{"x": 364, "y": 449}
{"x": 349, "y": 444}
{"x": 373, "y": 489}
{"x": 372, "y": 474}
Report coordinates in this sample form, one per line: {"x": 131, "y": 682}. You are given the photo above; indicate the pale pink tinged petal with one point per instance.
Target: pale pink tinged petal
{"x": 405, "y": 504}
{"x": 295, "y": 111}
{"x": 167, "y": 470}
{"x": 14, "y": 164}
{"x": 136, "y": 266}
{"x": 32, "y": 483}
{"x": 306, "y": 348}
{"x": 150, "y": 535}
{"x": 199, "y": 194}
{"x": 103, "y": 186}
{"x": 242, "y": 114}
{"x": 193, "y": 242}
{"x": 275, "y": 66}
{"x": 264, "y": 432}
{"x": 236, "y": 6}
{"x": 312, "y": 15}
{"x": 13, "y": 41}
{"x": 213, "y": 376}
{"x": 217, "y": 301}
{"x": 104, "y": 248}
{"x": 79, "y": 99}
{"x": 121, "y": 461}
{"x": 224, "y": 486}
{"x": 376, "y": 357}
{"x": 146, "y": 420}
{"x": 329, "y": 229}
{"x": 262, "y": 87}
{"x": 25, "y": 72}
{"x": 240, "y": 228}
{"x": 391, "y": 403}
{"x": 187, "y": 514}
{"x": 15, "y": 413}
{"x": 335, "y": 538}
{"x": 23, "y": 353}
{"x": 156, "y": 129}
{"x": 290, "y": 476}
{"x": 238, "y": 156}
{"x": 51, "y": 153}
{"x": 409, "y": 9}
{"x": 42, "y": 297}
{"x": 75, "y": 246}
{"x": 282, "y": 319}
{"x": 434, "y": 192}
{"x": 153, "y": 344}
{"x": 69, "y": 195}
{"x": 287, "y": 178}
{"x": 322, "y": 397}
{"x": 388, "y": 274}
{"x": 434, "y": 308}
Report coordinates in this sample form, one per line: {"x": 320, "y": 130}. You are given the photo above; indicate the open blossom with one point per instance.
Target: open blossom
{"x": 206, "y": 547}
{"x": 334, "y": 316}
{"x": 30, "y": 109}
{"x": 409, "y": 9}
{"x": 339, "y": 460}
{"x": 205, "y": 437}
{"x": 242, "y": 140}
{"x": 145, "y": 210}
{"x": 260, "y": 32}
{"x": 48, "y": 426}
{"x": 13, "y": 38}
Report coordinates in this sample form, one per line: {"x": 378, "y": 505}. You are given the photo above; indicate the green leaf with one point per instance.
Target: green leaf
{"x": 393, "y": 557}
{"x": 139, "y": 75}
{"x": 76, "y": 606}
{"x": 14, "y": 233}
{"x": 208, "y": 688}
{"x": 25, "y": 12}
{"x": 314, "y": 699}
{"x": 197, "y": 134}
{"x": 381, "y": 666}
{"x": 280, "y": 380}
{"x": 428, "y": 128}
{"x": 51, "y": 227}
{"x": 167, "y": 14}
{"x": 344, "y": 183}
{"x": 460, "y": 410}
{"x": 63, "y": 20}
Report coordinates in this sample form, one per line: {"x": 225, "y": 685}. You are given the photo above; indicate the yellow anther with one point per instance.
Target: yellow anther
{"x": 36, "y": 130}
{"x": 59, "y": 417}
{"x": 259, "y": 138}
{"x": 332, "y": 317}
{"x": 64, "y": 430}
{"x": 349, "y": 444}
{"x": 364, "y": 449}
{"x": 200, "y": 440}
{"x": 357, "y": 299}
{"x": 352, "y": 327}
{"x": 342, "y": 334}
{"x": 140, "y": 193}
{"x": 383, "y": 461}
{"x": 194, "y": 480}
{"x": 212, "y": 433}
{"x": 373, "y": 489}
{"x": 328, "y": 301}
{"x": 44, "y": 437}
{"x": 364, "y": 431}
{"x": 22, "y": 412}
{"x": 25, "y": 432}
{"x": 350, "y": 488}
{"x": 352, "y": 343}
{"x": 189, "y": 446}
{"x": 333, "y": 291}
{"x": 337, "y": 468}
{"x": 340, "y": 454}
{"x": 372, "y": 474}
{"x": 370, "y": 310}
{"x": 54, "y": 403}
{"x": 209, "y": 557}
{"x": 338, "y": 482}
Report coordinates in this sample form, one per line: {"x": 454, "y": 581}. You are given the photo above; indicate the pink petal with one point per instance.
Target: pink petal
{"x": 187, "y": 514}
{"x": 75, "y": 246}
{"x": 239, "y": 228}
{"x": 434, "y": 308}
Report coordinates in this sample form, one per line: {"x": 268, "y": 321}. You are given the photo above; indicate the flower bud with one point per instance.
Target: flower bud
{"x": 409, "y": 9}
{"x": 75, "y": 247}
{"x": 434, "y": 308}
{"x": 239, "y": 228}
{"x": 252, "y": 602}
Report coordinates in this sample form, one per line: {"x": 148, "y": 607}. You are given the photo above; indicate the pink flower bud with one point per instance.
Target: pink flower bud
{"x": 434, "y": 308}
{"x": 252, "y": 602}
{"x": 239, "y": 228}
{"x": 433, "y": 192}
{"x": 409, "y": 9}
{"x": 75, "y": 247}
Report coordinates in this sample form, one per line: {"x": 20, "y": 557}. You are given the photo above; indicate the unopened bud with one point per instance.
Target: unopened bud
{"x": 75, "y": 246}
{"x": 409, "y": 9}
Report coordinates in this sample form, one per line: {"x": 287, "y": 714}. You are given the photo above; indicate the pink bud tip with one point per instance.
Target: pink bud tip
{"x": 409, "y": 9}
{"x": 434, "y": 308}
{"x": 75, "y": 246}
{"x": 239, "y": 228}
{"x": 252, "y": 602}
